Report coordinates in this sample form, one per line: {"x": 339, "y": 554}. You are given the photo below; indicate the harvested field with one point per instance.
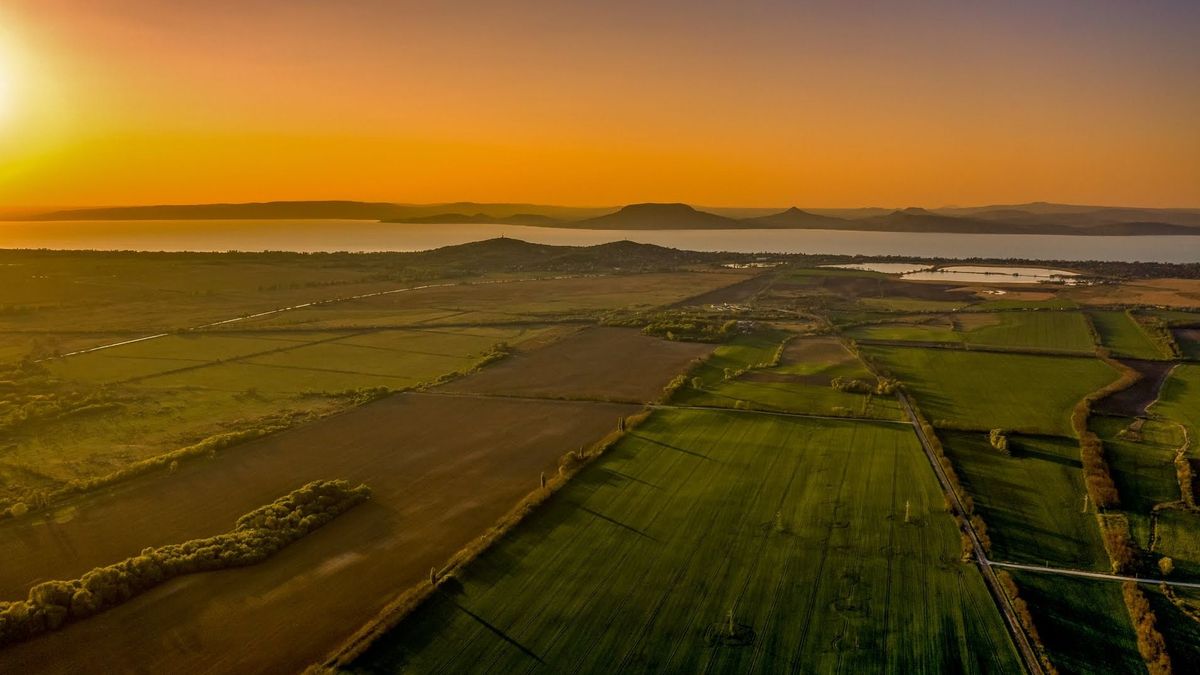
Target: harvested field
{"x": 1132, "y": 402}
{"x": 1158, "y": 292}
{"x": 442, "y": 471}
{"x": 595, "y": 363}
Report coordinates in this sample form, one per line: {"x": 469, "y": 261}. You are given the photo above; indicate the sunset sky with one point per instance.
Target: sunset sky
{"x": 596, "y": 103}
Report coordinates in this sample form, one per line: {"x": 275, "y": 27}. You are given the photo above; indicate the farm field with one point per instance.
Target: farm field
{"x": 759, "y": 519}
{"x": 160, "y": 395}
{"x": 1033, "y": 331}
{"x": 1142, "y": 462}
{"x": 1032, "y": 501}
{"x": 1180, "y": 631}
{"x": 1083, "y": 623}
{"x": 1188, "y": 340}
{"x": 1180, "y": 399}
{"x": 1179, "y": 539}
{"x": 799, "y": 383}
{"x": 437, "y": 484}
{"x": 592, "y": 364}
{"x": 795, "y": 526}
{"x": 1123, "y": 336}
{"x": 508, "y": 300}
{"x": 980, "y": 391}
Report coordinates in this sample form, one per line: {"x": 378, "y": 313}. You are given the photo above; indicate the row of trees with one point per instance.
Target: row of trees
{"x": 1101, "y": 488}
{"x": 256, "y": 536}
{"x": 1021, "y": 608}
{"x": 1149, "y": 640}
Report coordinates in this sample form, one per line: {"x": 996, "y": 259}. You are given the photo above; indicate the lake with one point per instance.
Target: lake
{"x": 991, "y": 275}
{"x": 362, "y": 235}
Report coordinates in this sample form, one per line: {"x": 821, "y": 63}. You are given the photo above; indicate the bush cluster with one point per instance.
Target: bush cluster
{"x": 998, "y": 439}
{"x": 256, "y": 536}
{"x": 851, "y": 385}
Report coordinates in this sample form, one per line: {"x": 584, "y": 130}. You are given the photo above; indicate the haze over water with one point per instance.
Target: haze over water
{"x": 370, "y": 236}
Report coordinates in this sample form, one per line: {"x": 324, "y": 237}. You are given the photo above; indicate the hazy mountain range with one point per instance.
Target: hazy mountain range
{"x": 1032, "y": 218}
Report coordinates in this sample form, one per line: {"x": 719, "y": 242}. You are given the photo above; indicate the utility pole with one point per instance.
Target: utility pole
{"x": 907, "y": 511}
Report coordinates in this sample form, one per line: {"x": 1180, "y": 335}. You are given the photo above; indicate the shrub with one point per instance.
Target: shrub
{"x": 998, "y": 438}
{"x": 1166, "y": 565}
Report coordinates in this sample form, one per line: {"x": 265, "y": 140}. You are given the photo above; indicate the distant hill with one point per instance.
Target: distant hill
{"x": 306, "y": 210}
{"x": 658, "y": 217}
{"x": 514, "y": 255}
{"x": 1033, "y": 218}
{"x": 529, "y": 219}
{"x": 795, "y": 218}
{"x": 346, "y": 210}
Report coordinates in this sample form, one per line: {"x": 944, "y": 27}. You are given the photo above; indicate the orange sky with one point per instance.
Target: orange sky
{"x": 597, "y": 103}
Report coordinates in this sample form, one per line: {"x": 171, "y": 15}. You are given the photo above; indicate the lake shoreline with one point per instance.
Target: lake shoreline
{"x": 370, "y": 236}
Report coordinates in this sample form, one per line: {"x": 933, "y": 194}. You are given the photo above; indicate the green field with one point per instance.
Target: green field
{"x": 1179, "y": 539}
{"x": 1046, "y": 331}
{"x": 800, "y": 383}
{"x": 1123, "y": 336}
{"x": 1180, "y": 631}
{"x": 1083, "y": 623}
{"x": 1032, "y": 501}
{"x": 1179, "y": 400}
{"x": 980, "y": 390}
{"x": 1143, "y": 469}
{"x": 795, "y": 526}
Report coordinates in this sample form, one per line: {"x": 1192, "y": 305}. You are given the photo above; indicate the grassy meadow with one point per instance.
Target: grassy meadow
{"x": 794, "y": 527}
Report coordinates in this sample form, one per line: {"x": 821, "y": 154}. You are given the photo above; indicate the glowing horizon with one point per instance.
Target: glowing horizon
{"x": 600, "y": 104}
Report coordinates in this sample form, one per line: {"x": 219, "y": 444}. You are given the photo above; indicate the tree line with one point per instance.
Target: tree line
{"x": 255, "y": 537}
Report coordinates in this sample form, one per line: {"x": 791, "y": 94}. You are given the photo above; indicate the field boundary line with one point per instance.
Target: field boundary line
{"x": 967, "y": 347}
{"x": 658, "y": 406}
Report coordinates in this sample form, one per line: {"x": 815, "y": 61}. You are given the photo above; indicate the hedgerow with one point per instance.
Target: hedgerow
{"x": 255, "y": 537}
